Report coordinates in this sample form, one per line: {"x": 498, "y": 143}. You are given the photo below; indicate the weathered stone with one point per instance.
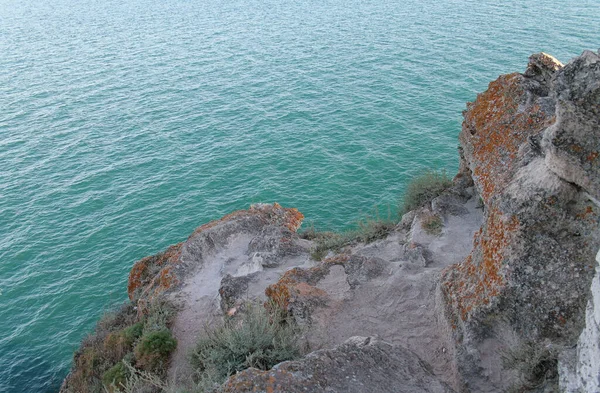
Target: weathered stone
{"x": 449, "y": 203}
{"x": 296, "y": 292}
{"x": 360, "y": 269}
{"x": 415, "y": 254}
{"x": 532, "y": 261}
{"x": 579, "y": 368}
{"x": 190, "y": 274}
{"x": 361, "y": 364}
{"x": 572, "y": 144}
{"x": 157, "y": 274}
{"x": 233, "y": 290}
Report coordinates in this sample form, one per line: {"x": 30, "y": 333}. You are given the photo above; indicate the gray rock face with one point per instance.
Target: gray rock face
{"x": 361, "y": 364}
{"x": 579, "y": 368}
{"x": 530, "y": 144}
{"x": 572, "y": 144}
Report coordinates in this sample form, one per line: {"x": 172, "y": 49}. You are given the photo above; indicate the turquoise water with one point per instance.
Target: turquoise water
{"x": 124, "y": 125}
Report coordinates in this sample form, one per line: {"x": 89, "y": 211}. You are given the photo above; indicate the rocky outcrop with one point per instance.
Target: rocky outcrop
{"x": 361, "y": 364}
{"x": 221, "y": 265}
{"x": 384, "y": 289}
{"x": 530, "y": 145}
{"x": 492, "y": 286}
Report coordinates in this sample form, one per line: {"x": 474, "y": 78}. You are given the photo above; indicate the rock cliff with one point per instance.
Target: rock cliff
{"x": 500, "y": 294}
{"x": 530, "y": 144}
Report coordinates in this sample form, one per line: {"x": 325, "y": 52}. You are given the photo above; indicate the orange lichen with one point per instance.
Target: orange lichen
{"x": 166, "y": 280}
{"x": 496, "y": 125}
{"x": 290, "y": 218}
{"x": 481, "y": 277}
{"x": 254, "y": 380}
{"x": 589, "y": 211}
{"x": 305, "y": 290}
{"x": 592, "y": 156}
{"x": 280, "y": 294}
{"x": 296, "y": 283}
{"x": 339, "y": 259}
{"x": 137, "y": 275}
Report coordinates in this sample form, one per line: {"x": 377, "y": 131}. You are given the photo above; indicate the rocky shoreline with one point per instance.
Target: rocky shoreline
{"x": 501, "y": 295}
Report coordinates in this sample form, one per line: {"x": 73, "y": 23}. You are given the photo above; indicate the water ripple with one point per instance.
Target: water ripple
{"x": 124, "y": 125}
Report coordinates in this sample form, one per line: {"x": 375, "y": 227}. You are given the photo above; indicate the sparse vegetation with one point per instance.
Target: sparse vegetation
{"x": 260, "y": 338}
{"x": 423, "y": 189}
{"x": 536, "y": 365}
{"x": 368, "y": 230}
{"x": 122, "y": 335}
{"x": 432, "y": 224}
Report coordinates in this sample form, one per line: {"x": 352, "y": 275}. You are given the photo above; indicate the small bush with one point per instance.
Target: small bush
{"x": 115, "y": 377}
{"x": 329, "y": 241}
{"x": 432, "y": 224}
{"x": 371, "y": 229}
{"x": 261, "y": 338}
{"x": 113, "y": 340}
{"x": 115, "y": 347}
{"x": 153, "y": 350}
{"x": 423, "y": 189}
{"x": 132, "y": 333}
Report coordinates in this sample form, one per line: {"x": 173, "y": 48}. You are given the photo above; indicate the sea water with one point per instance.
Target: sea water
{"x": 126, "y": 124}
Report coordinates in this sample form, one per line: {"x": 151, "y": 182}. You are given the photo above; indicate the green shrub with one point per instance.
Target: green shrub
{"x": 115, "y": 377}
{"x": 153, "y": 349}
{"x": 132, "y": 333}
{"x": 100, "y": 351}
{"x": 423, "y": 189}
{"x": 114, "y": 339}
{"x": 261, "y": 338}
{"x": 371, "y": 229}
{"x": 329, "y": 241}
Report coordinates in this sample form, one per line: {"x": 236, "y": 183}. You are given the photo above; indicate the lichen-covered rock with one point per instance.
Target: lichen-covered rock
{"x": 221, "y": 265}
{"x": 271, "y": 226}
{"x": 528, "y": 143}
{"x": 296, "y": 291}
{"x": 361, "y": 364}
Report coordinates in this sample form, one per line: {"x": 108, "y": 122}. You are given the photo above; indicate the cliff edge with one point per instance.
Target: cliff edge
{"x": 489, "y": 286}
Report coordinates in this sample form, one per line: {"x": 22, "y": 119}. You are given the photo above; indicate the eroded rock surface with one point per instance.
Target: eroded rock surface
{"x": 387, "y": 288}
{"x": 361, "y": 364}
{"x": 530, "y": 145}
{"x": 384, "y": 289}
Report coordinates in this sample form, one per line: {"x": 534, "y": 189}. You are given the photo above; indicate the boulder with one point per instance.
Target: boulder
{"x": 361, "y": 364}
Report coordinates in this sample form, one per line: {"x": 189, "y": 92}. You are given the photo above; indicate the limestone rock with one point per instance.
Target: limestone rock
{"x": 572, "y": 144}
{"x": 361, "y": 364}
{"x": 270, "y": 229}
{"x": 528, "y": 143}
{"x": 579, "y": 368}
